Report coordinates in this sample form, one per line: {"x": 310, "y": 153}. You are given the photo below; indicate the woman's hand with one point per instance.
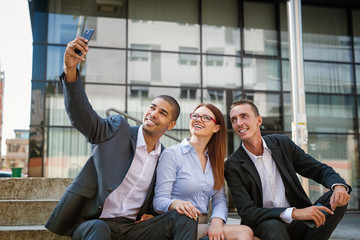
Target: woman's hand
{"x": 185, "y": 207}
{"x": 216, "y": 230}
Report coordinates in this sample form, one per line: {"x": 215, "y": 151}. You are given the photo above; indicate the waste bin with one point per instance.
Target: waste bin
{"x": 16, "y": 172}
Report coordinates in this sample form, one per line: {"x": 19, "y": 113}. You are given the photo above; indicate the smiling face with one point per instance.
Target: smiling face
{"x": 158, "y": 118}
{"x": 245, "y": 122}
{"x": 200, "y": 128}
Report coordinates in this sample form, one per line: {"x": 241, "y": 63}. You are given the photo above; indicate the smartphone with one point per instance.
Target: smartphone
{"x": 311, "y": 223}
{"x": 87, "y": 34}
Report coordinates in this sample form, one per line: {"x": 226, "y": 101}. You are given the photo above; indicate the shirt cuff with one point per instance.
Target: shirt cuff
{"x": 286, "y": 215}
{"x": 339, "y": 184}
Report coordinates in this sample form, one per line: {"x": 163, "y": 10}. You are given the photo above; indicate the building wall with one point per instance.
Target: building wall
{"x": 197, "y": 51}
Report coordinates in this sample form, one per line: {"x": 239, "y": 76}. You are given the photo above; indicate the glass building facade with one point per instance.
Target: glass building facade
{"x": 198, "y": 51}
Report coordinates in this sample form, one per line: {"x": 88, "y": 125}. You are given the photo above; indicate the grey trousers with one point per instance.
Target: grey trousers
{"x": 171, "y": 225}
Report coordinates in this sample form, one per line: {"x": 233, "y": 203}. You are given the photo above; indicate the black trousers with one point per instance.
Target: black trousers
{"x": 171, "y": 225}
{"x": 275, "y": 229}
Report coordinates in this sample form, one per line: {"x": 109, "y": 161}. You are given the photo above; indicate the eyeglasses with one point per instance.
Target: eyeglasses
{"x": 205, "y": 118}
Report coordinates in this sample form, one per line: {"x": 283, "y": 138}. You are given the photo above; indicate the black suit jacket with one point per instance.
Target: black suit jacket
{"x": 245, "y": 184}
{"x": 113, "y": 148}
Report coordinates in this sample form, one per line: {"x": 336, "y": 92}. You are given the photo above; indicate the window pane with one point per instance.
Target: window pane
{"x": 325, "y": 34}
{"x": 164, "y": 25}
{"x": 55, "y": 62}
{"x": 109, "y": 32}
{"x": 339, "y": 152}
{"x": 104, "y": 66}
{"x": 328, "y": 77}
{"x": 284, "y": 34}
{"x": 260, "y": 33}
{"x": 36, "y": 151}
{"x": 287, "y": 111}
{"x": 138, "y": 102}
{"x": 357, "y": 71}
{"x": 286, "y": 75}
{"x": 67, "y": 151}
{"x": 221, "y": 71}
{"x": 326, "y": 113}
{"x": 220, "y": 27}
{"x": 165, "y": 69}
{"x": 37, "y": 103}
{"x": 218, "y": 98}
{"x": 103, "y": 97}
{"x": 55, "y": 107}
{"x": 38, "y": 69}
{"x": 269, "y": 108}
{"x": 261, "y": 74}
{"x": 356, "y": 31}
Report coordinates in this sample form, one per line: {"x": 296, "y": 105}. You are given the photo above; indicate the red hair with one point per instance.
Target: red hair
{"x": 217, "y": 146}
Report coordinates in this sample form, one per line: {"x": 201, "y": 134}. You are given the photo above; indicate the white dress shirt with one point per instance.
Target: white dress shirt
{"x": 273, "y": 188}
{"x": 127, "y": 199}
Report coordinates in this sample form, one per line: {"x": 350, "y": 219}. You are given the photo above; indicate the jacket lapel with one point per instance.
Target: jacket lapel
{"x": 249, "y": 166}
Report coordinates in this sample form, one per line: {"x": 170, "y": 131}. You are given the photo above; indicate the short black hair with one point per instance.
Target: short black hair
{"x": 172, "y": 101}
{"x": 246, "y": 101}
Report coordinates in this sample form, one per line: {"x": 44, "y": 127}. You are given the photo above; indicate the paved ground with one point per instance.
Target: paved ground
{"x": 348, "y": 228}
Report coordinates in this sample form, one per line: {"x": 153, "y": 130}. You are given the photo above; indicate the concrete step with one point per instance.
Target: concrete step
{"x": 28, "y": 233}
{"x": 26, "y": 212}
{"x": 33, "y": 188}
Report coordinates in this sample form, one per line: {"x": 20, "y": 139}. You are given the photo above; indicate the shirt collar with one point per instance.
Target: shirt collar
{"x": 186, "y": 147}
{"x": 252, "y": 156}
{"x": 141, "y": 142}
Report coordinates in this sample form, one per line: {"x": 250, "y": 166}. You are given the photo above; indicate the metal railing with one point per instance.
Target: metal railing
{"x": 138, "y": 121}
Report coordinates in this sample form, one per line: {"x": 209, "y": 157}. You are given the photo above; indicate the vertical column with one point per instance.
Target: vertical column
{"x": 299, "y": 127}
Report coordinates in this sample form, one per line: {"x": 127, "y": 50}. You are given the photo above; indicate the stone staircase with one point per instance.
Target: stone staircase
{"x": 25, "y": 206}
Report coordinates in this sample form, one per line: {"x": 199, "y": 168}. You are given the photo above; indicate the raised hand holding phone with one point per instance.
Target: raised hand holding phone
{"x": 87, "y": 34}
{"x": 73, "y": 56}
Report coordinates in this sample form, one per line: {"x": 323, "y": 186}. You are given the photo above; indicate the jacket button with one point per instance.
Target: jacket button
{"x": 100, "y": 207}
{"x": 109, "y": 189}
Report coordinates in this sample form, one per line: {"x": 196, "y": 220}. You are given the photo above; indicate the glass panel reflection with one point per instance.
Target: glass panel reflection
{"x": 109, "y": 32}
{"x": 36, "y": 144}
{"x": 103, "y": 97}
{"x": 328, "y": 78}
{"x": 218, "y": 98}
{"x": 55, "y": 62}
{"x": 137, "y": 103}
{"x": 260, "y": 35}
{"x": 340, "y": 152}
{"x": 269, "y": 106}
{"x": 286, "y": 75}
{"x": 287, "y": 111}
{"x": 164, "y": 25}
{"x": 221, "y": 71}
{"x": 325, "y": 34}
{"x": 356, "y": 32}
{"x": 284, "y": 35}
{"x": 38, "y": 69}
{"x": 67, "y": 151}
{"x": 261, "y": 74}
{"x": 104, "y": 66}
{"x": 326, "y": 113}
{"x": 220, "y": 28}
{"x": 55, "y": 107}
{"x": 37, "y": 103}
{"x": 165, "y": 69}
{"x": 357, "y": 72}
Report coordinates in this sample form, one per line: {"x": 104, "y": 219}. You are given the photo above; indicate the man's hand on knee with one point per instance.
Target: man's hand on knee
{"x": 311, "y": 213}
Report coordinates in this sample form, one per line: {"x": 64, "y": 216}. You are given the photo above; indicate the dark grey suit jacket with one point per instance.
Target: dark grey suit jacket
{"x": 113, "y": 148}
{"x": 245, "y": 184}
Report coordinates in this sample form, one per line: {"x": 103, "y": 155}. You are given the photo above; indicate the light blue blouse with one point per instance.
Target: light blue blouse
{"x": 180, "y": 177}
